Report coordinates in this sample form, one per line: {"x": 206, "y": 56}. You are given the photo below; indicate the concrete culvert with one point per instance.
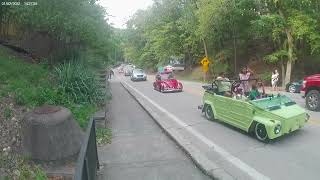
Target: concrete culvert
{"x": 50, "y": 133}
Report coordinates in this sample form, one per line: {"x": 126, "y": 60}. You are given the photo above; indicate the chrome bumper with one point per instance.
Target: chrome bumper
{"x": 172, "y": 90}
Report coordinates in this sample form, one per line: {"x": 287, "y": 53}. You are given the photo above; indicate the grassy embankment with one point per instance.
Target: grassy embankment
{"x": 28, "y": 85}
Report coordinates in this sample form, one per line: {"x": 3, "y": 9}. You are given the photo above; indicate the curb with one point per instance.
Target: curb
{"x": 210, "y": 168}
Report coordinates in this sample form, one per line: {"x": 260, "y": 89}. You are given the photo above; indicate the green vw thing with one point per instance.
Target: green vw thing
{"x": 268, "y": 117}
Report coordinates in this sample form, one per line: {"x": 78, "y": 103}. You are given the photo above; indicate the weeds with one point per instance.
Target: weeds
{"x": 103, "y": 135}
{"x": 79, "y": 83}
{"x": 7, "y": 112}
{"x": 18, "y": 167}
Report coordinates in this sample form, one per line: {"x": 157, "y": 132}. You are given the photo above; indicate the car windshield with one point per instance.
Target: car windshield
{"x": 138, "y": 71}
{"x": 272, "y": 103}
{"x": 167, "y": 76}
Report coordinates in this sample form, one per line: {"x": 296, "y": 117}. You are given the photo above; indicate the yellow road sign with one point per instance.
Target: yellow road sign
{"x": 205, "y": 64}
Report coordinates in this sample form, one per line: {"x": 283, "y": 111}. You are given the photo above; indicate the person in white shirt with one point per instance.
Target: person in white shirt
{"x": 275, "y": 80}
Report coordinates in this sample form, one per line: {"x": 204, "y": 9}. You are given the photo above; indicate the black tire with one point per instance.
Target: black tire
{"x": 292, "y": 88}
{"x": 261, "y": 132}
{"x": 313, "y": 100}
{"x": 208, "y": 112}
{"x": 162, "y": 89}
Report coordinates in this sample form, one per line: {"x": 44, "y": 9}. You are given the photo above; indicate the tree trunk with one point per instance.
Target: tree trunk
{"x": 283, "y": 74}
{"x": 290, "y": 56}
{"x": 205, "y": 47}
{"x": 290, "y": 49}
{"x": 288, "y": 72}
{"x": 188, "y": 61}
{"x": 235, "y": 53}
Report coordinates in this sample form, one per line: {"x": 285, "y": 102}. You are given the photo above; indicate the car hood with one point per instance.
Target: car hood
{"x": 172, "y": 83}
{"x": 315, "y": 76}
{"x": 281, "y": 106}
{"x": 288, "y": 112}
{"x": 139, "y": 74}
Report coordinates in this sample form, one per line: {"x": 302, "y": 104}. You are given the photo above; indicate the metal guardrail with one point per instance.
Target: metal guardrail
{"x": 88, "y": 162}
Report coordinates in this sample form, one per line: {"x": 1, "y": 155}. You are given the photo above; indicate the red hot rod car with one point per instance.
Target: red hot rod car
{"x": 166, "y": 82}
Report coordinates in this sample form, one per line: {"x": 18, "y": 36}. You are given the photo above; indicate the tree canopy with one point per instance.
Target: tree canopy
{"x": 227, "y": 30}
{"x": 76, "y": 22}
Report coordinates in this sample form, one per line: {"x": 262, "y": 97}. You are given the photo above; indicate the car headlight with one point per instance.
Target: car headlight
{"x": 277, "y": 129}
{"x": 304, "y": 83}
{"x": 307, "y": 117}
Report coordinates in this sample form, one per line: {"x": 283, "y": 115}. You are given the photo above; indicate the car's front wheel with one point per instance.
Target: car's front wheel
{"x": 313, "y": 100}
{"x": 261, "y": 132}
{"x": 162, "y": 89}
{"x": 292, "y": 88}
{"x": 208, "y": 112}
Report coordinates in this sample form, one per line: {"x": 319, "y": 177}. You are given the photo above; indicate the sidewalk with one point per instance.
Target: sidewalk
{"x": 140, "y": 149}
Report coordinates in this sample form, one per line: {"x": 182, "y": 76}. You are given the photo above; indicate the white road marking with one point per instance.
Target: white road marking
{"x": 229, "y": 157}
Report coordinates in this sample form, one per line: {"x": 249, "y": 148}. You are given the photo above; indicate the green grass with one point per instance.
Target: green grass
{"x": 33, "y": 85}
{"x": 103, "y": 135}
{"x": 21, "y": 78}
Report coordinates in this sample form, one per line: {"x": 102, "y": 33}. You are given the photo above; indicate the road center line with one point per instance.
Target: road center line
{"x": 229, "y": 157}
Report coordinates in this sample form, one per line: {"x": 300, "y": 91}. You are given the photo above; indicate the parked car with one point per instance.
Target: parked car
{"x": 178, "y": 67}
{"x": 166, "y": 82}
{"x": 294, "y": 87}
{"x": 128, "y": 70}
{"x": 168, "y": 68}
{"x": 311, "y": 91}
{"x": 138, "y": 75}
{"x": 268, "y": 117}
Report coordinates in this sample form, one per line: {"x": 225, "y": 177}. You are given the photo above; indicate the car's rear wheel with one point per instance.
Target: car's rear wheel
{"x": 208, "y": 112}
{"x": 261, "y": 132}
{"x": 292, "y": 88}
{"x": 313, "y": 100}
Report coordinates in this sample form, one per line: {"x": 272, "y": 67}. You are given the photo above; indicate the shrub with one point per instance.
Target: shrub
{"x": 266, "y": 77}
{"x": 78, "y": 82}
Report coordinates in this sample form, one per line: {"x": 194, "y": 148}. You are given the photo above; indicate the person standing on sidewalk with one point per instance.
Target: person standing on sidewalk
{"x": 244, "y": 77}
{"x": 274, "y": 80}
{"x": 111, "y": 73}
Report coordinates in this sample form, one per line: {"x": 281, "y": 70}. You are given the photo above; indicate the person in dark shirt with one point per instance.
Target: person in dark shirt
{"x": 254, "y": 93}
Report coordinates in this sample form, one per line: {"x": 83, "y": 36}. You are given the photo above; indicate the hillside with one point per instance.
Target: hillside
{"x": 23, "y": 86}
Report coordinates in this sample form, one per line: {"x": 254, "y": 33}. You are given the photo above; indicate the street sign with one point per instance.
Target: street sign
{"x": 205, "y": 64}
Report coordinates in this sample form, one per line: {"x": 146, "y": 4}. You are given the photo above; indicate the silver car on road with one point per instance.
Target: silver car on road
{"x": 138, "y": 75}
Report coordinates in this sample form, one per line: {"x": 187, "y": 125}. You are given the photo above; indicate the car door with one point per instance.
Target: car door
{"x": 221, "y": 105}
{"x": 241, "y": 113}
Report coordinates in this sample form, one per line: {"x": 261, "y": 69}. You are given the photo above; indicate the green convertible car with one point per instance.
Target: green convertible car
{"x": 268, "y": 117}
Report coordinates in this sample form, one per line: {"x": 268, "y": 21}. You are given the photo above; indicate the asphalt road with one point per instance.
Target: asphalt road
{"x": 140, "y": 150}
{"x": 295, "y": 156}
